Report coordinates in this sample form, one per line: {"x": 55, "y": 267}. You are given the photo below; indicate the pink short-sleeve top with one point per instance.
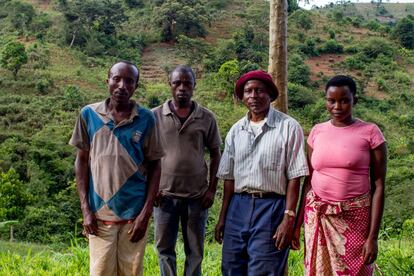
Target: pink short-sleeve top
{"x": 341, "y": 158}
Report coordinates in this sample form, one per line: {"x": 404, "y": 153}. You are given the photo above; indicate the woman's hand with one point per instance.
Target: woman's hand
{"x": 370, "y": 251}
{"x": 295, "y": 244}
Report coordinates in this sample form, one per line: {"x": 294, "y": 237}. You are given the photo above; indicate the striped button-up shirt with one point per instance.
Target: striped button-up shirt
{"x": 264, "y": 162}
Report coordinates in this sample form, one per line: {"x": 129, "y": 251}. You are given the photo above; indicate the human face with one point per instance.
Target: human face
{"x": 122, "y": 82}
{"x": 339, "y": 102}
{"x": 182, "y": 86}
{"x": 256, "y": 97}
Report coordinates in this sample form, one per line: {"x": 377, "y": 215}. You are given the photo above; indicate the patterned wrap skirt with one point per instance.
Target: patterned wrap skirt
{"x": 335, "y": 233}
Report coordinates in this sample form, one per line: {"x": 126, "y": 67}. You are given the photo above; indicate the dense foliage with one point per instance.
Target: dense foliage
{"x": 70, "y": 44}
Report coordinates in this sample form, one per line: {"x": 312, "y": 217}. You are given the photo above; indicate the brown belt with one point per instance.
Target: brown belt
{"x": 261, "y": 194}
{"x": 119, "y": 222}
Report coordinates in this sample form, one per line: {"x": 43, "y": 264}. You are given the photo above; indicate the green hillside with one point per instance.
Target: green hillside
{"x": 70, "y": 44}
{"x": 384, "y": 12}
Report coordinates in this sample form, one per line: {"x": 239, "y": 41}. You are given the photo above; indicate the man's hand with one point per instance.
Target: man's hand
{"x": 219, "y": 231}
{"x": 370, "y": 251}
{"x": 284, "y": 232}
{"x": 295, "y": 243}
{"x": 157, "y": 199}
{"x": 208, "y": 199}
{"x": 90, "y": 224}
{"x": 139, "y": 227}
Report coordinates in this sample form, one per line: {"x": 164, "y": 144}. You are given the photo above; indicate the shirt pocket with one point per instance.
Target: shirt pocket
{"x": 272, "y": 159}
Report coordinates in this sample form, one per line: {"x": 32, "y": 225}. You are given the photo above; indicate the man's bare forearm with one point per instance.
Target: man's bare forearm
{"x": 214, "y": 164}
{"x": 154, "y": 175}
{"x": 82, "y": 179}
{"x": 228, "y": 194}
{"x": 292, "y": 193}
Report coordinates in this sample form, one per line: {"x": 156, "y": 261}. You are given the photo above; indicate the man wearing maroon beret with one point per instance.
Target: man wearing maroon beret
{"x": 262, "y": 164}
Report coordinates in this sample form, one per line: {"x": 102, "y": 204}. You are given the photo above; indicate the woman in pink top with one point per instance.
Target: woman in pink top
{"x": 343, "y": 199}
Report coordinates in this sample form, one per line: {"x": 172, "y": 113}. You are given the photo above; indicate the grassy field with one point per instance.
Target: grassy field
{"x": 395, "y": 258}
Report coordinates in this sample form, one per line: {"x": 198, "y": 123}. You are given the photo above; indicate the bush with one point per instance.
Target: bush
{"x": 376, "y": 46}
{"x": 300, "y": 96}
{"x": 298, "y": 71}
{"x": 13, "y": 56}
{"x": 193, "y": 50}
{"x": 309, "y": 47}
{"x": 354, "y": 63}
{"x": 332, "y": 34}
{"x": 38, "y": 56}
{"x": 382, "y": 85}
{"x": 224, "y": 51}
{"x": 301, "y": 19}
{"x": 227, "y": 75}
{"x": 13, "y": 196}
{"x": 331, "y": 46}
{"x": 402, "y": 77}
{"x": 44, "y": 225}
{"x": 373, "y": 25}
{"x": 42, "y": 85}
{"x": 404, "y": 32}
{"x": 73, "y": 99}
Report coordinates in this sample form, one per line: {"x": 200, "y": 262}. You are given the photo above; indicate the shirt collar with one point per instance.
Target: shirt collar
{"x": 197, "y": 112}
{"x": 103, "y": 109}
{"x": 273, "y": 117}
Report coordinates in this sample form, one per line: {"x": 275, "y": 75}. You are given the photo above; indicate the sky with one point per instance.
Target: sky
{"x": 320, "y": 3}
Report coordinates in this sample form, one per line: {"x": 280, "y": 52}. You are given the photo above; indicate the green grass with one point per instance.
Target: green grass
{"x": 395, "y": 258}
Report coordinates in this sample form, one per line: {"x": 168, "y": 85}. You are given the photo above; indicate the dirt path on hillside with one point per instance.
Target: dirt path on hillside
{"x": 157, "y": 60}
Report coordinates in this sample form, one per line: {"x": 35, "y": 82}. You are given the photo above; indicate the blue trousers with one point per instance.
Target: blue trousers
{"x": 167, "y": 218}
{"x": 248, "y": 245}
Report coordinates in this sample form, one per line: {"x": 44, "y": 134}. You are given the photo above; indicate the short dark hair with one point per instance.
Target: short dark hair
{"x": 342, "y": 80}
{"x": 183, "y": 68}
{"x": 126, "y": 62}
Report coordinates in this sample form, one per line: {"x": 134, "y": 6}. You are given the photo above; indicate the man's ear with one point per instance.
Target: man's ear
{"x": 194, "y": 84}
{"x": 107, "y": 81}
{"x": 355, "y": 100}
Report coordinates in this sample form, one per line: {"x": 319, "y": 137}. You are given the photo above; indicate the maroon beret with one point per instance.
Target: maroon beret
{"x": 256, "y": 75}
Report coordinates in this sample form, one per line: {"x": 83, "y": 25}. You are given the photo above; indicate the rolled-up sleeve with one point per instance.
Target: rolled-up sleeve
{"x": 297, "y": 165}
{"x": 226, "y": 167}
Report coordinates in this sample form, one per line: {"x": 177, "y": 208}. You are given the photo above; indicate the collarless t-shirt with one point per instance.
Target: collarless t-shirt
{"x": 341, "y": 158}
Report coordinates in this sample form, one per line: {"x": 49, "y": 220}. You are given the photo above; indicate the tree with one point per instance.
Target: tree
{"x": 292, "y": 6}
{"x": 20, "y": 15}
{"x": 278, "y": 51}
{"x": 193, "y": 50}
{"x": 177, "y": 17}
{"x": 13, "y": 197}
{"x": 228, "y": 74}
{"x": 91, "y": 17}
{"x": 404, "y": 32}
{"x": 13, "y": 57}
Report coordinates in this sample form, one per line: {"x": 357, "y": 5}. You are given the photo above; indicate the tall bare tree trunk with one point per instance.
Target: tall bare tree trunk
{"x": 278, "y": 51}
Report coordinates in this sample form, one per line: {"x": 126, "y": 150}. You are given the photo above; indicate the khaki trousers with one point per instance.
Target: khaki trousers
{"x": 112, "y": 254}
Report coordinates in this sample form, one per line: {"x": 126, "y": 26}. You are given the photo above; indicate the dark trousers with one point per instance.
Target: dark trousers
{"x": 248, "y": 245}
{"x": 167, "y": 218}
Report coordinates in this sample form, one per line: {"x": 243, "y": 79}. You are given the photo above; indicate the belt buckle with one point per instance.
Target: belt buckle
{"x": 257, "y": 195}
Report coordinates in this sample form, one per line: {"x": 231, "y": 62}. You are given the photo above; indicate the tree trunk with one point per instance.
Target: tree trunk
{"x": 15, "y": 70}
{"x": 11, "y": 234}
{"x": 73, "y": 39}
{"x": 278, "y": 51}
